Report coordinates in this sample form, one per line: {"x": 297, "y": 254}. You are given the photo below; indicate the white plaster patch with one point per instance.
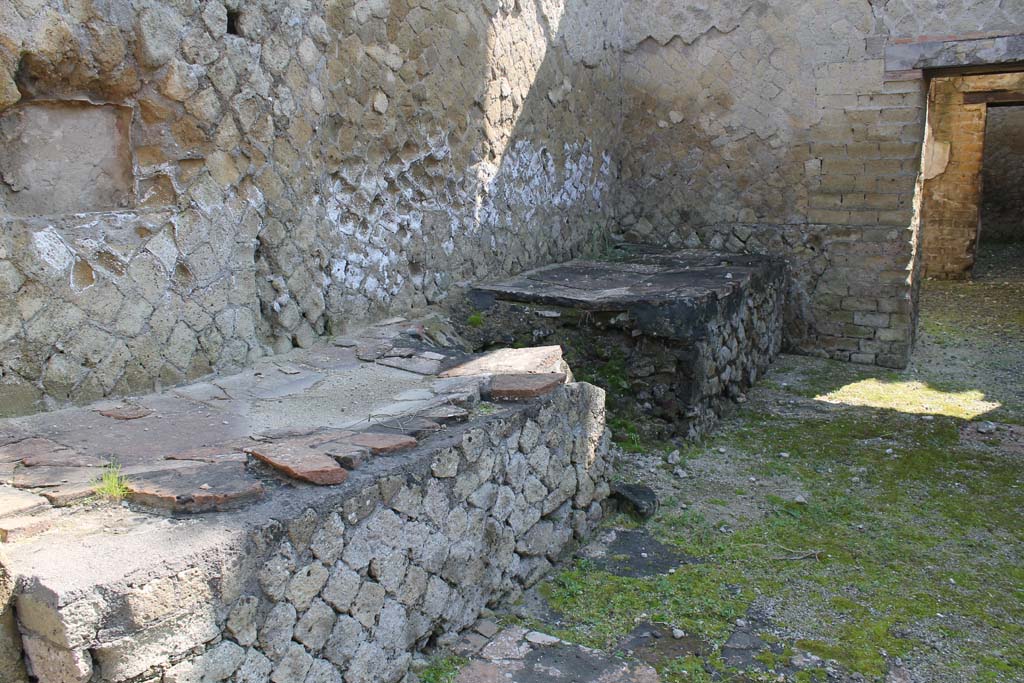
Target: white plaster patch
{"x": 163, "y": 247}
{"x": 52, "y": 249}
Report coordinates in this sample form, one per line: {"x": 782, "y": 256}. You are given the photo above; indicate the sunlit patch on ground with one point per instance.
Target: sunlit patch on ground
{"x": 913, "y": 397}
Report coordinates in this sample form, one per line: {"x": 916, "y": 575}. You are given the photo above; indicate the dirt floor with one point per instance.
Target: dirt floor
{"x": 847, "y": 523}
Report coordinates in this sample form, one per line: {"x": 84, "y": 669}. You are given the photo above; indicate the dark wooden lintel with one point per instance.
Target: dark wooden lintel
{"x": 995, "y": 97}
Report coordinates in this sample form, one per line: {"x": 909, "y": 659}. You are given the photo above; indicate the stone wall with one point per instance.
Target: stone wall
{"x": 271, "y": 171}
{"x": 337, "y": 583}
{"x": 1002, "y": 200}
{"x": 774, "y": 127}
{"x": 235, "y": 178}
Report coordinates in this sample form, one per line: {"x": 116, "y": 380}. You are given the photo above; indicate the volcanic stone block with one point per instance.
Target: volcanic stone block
{"x": 671, "y": 334}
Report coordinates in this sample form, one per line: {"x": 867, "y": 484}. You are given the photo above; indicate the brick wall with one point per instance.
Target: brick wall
{"x": 779, "y": 128}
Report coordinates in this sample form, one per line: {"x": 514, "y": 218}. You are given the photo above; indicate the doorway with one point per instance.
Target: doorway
{"x": 955, "y": 155}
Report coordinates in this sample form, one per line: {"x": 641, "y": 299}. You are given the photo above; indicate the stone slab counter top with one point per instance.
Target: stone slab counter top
{"x": 290, "y": 460}
{"x": 668, "y": 292}
{"x": 675, "y": 334}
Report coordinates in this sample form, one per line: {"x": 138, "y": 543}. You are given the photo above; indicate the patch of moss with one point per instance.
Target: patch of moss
{"x": 475, "y": 320}
{"x": 443, "y": 669}
{"x": 885, "y": 542}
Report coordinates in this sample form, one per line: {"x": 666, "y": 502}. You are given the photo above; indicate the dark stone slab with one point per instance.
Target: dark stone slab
{"x": 445, "y": 414}
{"x": 638, "y": 278}
{"x": 688, "y": 331}
{"x": 635, "y": 553}
{"x": 954, "y": 53}
{"x": 574, "y": 664}
{"x": 413, "y": 425}
{"x": 420, "y": 366}
{"x": 635, "y": 499}
{"x": 202, "y": 488}
{"x": 656, "y": 644}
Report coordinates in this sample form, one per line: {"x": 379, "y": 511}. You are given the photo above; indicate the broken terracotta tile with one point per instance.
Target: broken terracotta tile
{"x": 518, "y": 387}
{"x": 126, "y": 412}
{"x": 14, "y": 529}
{"x": 30, "y": 448}
{"x": 297, "y": 459}
{"x": 382, "y": 443}
{"x": 16, "y": 502}
{"x": 203, "y": 488}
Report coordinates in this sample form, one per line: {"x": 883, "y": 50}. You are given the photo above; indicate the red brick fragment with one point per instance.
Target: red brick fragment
{"x": 519, "y": 387}
{"x": 126, "y": 412}
{"x": 298, "y": 460}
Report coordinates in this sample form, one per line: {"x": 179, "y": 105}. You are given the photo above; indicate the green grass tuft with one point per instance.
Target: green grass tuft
{"x": 111, "y": 484}
{"x": 443, "y": 669}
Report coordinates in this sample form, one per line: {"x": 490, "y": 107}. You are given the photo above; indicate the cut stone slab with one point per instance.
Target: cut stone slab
{"x": 126, "y": 412}
{"x": 414, "y": 426}
{"x": 202, "y": 488}
{"x": 380, "y": 444}
{"x": 39, "y": 477}
{"x": 212, "y": 454}
{"x": 64, "y": 457}
{"x": 521, "y": 387}
{"x": 68, "y": 494}
{"x": 347, "y": 455}
{"x": 538, "y": 360}
{"x": 14, "y": 529}
{"x": 445, "y": 414}
{"x": 421, "y": 366}
{"x": 693, "y": 329}
{"x": 297, "y": 459}
{"x": 34, "y": 448}
{"x": 17, "y": 502}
